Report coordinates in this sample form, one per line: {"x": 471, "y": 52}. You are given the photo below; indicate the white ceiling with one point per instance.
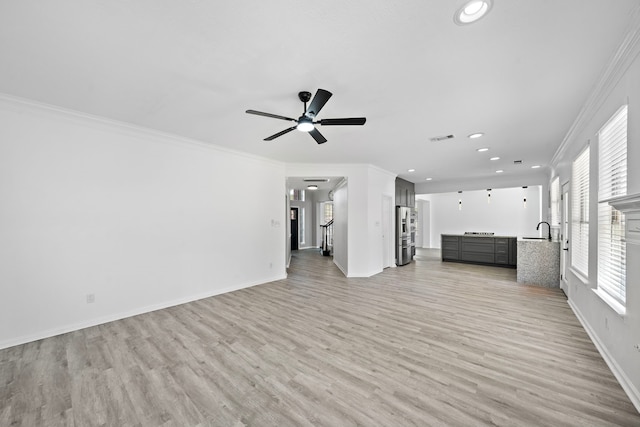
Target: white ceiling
{"x": 192, "y": 68}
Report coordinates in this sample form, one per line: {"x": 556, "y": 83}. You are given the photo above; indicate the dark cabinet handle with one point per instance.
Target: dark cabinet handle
{"x": 565, "y": 249}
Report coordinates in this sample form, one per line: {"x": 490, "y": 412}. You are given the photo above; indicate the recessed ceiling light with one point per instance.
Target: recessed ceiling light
{"x": 312, "y": 187}
{"x": 499, "y": 171}
{"x": 471, "y": 11}
{"x": 495, "y": 158}
{"x": 411, "y": 170}
{"x": 428, "y": 179}
{"x": 535, "y": 166}
{"x": 480, "y": 150}
{"x": 476, "y": 135}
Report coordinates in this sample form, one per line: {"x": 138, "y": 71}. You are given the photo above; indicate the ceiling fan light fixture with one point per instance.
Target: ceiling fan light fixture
{"x": 305, "y": 125}
{"x": 472, "y": 11}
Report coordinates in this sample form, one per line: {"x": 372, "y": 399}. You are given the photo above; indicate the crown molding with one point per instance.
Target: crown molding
{"x": 617, "y": 65}
{"x": 18, "y": 104}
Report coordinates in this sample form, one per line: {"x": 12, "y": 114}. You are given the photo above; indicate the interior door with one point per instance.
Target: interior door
{"x": 564, "y": 239}
{"x": 294, "y": 229}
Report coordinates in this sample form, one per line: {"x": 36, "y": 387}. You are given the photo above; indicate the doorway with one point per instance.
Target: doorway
{"x": 564, "y": 239}
{"x": 293, "y": 216}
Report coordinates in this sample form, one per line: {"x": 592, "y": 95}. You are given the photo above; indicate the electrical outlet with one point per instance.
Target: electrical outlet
{"x": 91, "y": 298}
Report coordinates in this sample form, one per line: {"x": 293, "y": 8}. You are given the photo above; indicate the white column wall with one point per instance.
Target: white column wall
{"x": 341, "y": 228}
{"x": 380, "y": 183}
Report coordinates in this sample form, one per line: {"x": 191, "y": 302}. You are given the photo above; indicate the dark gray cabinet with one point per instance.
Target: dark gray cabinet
{"x": 513, "y": 251}
{"x": 487, "y": 250}
{"x": 477, "y": 249}
{"x": 405, "y": 193}
{"x": 502, "y": 250}
{"x": 450, "y": 248}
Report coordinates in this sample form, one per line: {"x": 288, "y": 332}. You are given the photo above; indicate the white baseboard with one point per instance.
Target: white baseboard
{"x": 367, "y": 274}
{"x": 122, "y": 315}
{"x": 344, "y": 270}
{"x": 622, "y": 378}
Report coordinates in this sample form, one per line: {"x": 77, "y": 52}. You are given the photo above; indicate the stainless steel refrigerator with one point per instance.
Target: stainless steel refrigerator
{"x": 405, "y": 235}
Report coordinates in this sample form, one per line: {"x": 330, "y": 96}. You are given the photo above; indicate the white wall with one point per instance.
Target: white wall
{"x": 139, "y": 219}
{"x": 614, "y": 335}
{"x": 504, "y": 216}
{"x": 423, "y": 236}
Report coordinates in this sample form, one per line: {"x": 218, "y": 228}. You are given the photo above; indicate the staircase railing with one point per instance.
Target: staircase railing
{"x": 327, "y": 238}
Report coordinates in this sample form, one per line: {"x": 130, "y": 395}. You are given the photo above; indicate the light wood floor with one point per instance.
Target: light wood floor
{"x": 424, "y": 344}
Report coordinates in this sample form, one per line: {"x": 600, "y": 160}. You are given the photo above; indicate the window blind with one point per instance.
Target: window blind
{"x": 328, "y": 212}
{"x": 580, "y": 213}
{"x": 612, "y": 182}
{"x": 555, "y": 201}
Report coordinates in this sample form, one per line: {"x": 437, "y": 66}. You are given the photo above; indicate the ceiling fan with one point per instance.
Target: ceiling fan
{"x": 305, "y": 122}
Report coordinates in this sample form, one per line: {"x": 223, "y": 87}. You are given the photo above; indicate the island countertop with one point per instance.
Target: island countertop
{"x": 479, "y": 235}
{"x": 539, "y": 262}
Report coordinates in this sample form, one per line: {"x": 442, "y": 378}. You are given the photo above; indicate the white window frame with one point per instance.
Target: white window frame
{"x": 612, "y": 182}
{"x": 555, "y": 202}
{"x": 580, "y": 214}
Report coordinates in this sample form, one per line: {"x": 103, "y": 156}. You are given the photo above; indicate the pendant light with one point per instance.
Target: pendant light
{"x": 460, "y": 201}
{"x": 488, "y": 196}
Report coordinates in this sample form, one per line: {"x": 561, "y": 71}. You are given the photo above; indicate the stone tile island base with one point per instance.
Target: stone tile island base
{"x": 538, "y": 263}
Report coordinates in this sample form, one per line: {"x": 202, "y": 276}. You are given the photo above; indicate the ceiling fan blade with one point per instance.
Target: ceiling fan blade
{"x": 339, "y": 122}
{"x": 317, "y": 136}
{"x": 272, "y": 137}
{"x": 274, "y": 116}
{"x": 321, "y": 97}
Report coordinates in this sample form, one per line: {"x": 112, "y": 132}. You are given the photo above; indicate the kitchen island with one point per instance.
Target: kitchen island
{"x": 538, "y": 262}
{"x": 480, "y": 248}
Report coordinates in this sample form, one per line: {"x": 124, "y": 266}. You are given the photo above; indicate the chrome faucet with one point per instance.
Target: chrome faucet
{"x": 545, "y": 222}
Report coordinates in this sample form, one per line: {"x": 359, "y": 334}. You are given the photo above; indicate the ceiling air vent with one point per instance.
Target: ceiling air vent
{"x": 441, "y": 138}
{"x": 316, "y": 180}
{"x": 517, "y": 162}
